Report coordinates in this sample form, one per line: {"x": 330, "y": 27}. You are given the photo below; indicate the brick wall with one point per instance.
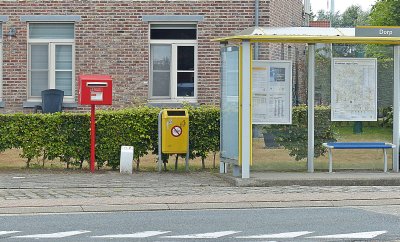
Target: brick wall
{"x": 111, "y": 38}
{"x": 320, "y": 23}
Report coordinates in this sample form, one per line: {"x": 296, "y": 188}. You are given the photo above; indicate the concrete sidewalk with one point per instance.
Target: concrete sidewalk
{"x": 26, "y": 192}
{"x": 347, "y": 178}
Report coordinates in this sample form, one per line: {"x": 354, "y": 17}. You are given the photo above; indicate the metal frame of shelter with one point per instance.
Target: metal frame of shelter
{"x": 310, "y": 36}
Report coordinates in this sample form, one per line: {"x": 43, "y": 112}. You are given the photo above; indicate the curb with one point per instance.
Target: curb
{"x": 256, "y": 182}
{"x": 194, "y": 206}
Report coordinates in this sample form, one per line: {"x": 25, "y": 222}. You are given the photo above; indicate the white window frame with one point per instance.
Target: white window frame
{"x": 173, "y": 97}
{"x": 52, "y": 43}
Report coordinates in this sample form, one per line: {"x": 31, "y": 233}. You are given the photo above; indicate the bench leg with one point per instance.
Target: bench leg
{"x": 330, "y": 159}
{"x": 384, "y": 161}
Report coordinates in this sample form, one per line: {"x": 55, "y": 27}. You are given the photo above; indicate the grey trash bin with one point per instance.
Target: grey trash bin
{"x": 52, "y": 100}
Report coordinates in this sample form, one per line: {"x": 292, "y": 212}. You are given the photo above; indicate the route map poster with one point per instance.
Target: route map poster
{"x": 272, "y": 92}
{"x": 354, "y": 89}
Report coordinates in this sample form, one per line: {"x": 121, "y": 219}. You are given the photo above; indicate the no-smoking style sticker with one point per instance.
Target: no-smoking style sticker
{"x": 176, "y": 131}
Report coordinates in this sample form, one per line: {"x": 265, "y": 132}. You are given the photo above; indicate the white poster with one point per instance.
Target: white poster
{"x": 272, "y": 92}
{"x": 354, "y": 89}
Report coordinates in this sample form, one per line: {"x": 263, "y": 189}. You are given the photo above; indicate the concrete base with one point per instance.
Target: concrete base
{"x": 236, "y": 170}
{"x": 350, "y": 178}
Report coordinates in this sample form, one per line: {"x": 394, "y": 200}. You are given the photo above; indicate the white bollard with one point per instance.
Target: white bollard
{"x": 125, "y": 162}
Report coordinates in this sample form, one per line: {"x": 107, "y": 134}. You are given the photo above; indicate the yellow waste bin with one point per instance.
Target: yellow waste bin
{"x": 175, "y": 131}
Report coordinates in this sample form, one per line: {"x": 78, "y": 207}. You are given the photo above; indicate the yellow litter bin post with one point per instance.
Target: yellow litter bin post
{"x": 173, "y": 134}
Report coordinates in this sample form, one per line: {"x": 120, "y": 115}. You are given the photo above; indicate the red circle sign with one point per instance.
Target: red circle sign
{"x": 176, "y": 131}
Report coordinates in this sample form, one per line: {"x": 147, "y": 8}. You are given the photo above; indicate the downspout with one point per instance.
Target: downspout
{"x": 256, "y": 23}
{"x": 307, "y": 13}
{"x": 256, "y": 131}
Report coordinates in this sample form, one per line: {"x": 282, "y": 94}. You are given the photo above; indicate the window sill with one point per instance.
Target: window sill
{"x": 171, "y": 103}
{"x": 32, "y": 104}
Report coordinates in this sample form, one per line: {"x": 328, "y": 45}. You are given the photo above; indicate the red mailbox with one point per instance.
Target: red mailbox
{"x": 95, "y": 89}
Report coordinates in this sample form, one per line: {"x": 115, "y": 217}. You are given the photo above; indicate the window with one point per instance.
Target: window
{"x": 173, "y": 62}
{"x": 51, "y": 59}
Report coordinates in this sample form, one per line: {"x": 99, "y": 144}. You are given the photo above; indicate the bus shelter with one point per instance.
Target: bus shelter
{"x": 237, "y": 75}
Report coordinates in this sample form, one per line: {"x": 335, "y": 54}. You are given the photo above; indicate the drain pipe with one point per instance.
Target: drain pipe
{"x": 256, "y": 23}
{"x": 307, "y": 13}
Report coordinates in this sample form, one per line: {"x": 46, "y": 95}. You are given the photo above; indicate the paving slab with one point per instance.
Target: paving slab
{"x": 26, "y": 192}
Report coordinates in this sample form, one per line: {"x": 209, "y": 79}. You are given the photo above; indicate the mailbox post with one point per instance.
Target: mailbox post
{"x": 94, "y": 90}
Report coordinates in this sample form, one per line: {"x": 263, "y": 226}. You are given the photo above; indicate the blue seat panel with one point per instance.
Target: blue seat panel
{"x": 360, "y": 145}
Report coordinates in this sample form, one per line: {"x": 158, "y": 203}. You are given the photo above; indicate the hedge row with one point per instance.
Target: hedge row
{"x": 67, "y": 135}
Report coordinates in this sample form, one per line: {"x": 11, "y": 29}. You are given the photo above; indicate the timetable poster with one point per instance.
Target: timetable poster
{"x": 272, "y": 92}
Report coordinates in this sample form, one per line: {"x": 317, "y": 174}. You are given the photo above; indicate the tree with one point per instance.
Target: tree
{"x": 351, "y": 17}
{"x": 385, "y": 13}
{"x": 354, "y": 16}
{"x": 335, "y": 18}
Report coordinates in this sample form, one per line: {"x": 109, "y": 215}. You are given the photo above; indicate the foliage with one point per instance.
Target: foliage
{"x": 351, "y": 17}
{"x": 387, "y": 114}
{"x": 205, "y": 137}
{"x": 294, "y": 137}
{"x": 67, "y": 135}
{"x": 354, "y": 16}
{"x": 132, "y": 127}
{"x": 326, "y": 15}
{"x": 323, "y": 75}
{"x": 75, "y": 130}
{"x": 385, "y": 13}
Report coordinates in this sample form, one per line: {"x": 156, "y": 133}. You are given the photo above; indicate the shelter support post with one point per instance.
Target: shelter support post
{"x": 396, "y": 108}
{"x": 223, "y": 167}
{"x": 311, "y": 88}
{"x": 246, "y": 127}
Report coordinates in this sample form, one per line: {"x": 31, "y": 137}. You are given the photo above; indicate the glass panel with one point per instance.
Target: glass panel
{"x": 39, "y": 57}
{"x": 357, "y": 130}
{"x": 185, "y": 85}
{"x": 231, "y": 73}
{"x": 39, "y": 75}
{"x": 51, "y": 31}
{"x": 229, "y": 104}
{"x": 185, "y": 58}
{"x": 161, "y": 82}
{"x": 160, "y": 68}
{"x": 64, "y": 82}
{"x": 39, "y": 82}
{"x": 64, "y": 57}
{"x": 1, "y": 31}
{"x": 161, "y": 57}
{"x": 171, "y": 32}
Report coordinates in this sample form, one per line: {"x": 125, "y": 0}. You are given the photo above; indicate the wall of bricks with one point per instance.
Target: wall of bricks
{"x": 111, "y": 38}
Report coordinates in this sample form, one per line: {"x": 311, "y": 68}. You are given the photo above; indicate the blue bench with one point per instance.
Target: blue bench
{"x": 359, "y": 145}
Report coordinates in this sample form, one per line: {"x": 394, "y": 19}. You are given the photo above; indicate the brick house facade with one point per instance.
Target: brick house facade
{"x": 117, "y": 37}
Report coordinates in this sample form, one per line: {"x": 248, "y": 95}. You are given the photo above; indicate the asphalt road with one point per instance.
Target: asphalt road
{"x": 291, "y": 224}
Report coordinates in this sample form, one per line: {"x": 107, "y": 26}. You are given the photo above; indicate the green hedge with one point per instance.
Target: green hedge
{"x": 294, "y": 137}
{"x": 67, "y": 135}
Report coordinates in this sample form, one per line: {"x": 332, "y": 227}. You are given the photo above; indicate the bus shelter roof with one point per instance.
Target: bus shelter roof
{"x": 307, "y": 35}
